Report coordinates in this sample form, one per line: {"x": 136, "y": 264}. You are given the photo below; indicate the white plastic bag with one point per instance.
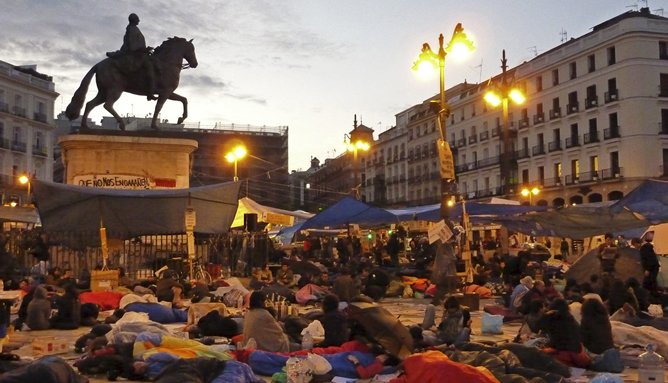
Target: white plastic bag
{"x": 315, "y": 329}
{"x": 656, "y": 311}
{"x": 319, "y": 365}
{"x": 491, "y": 324}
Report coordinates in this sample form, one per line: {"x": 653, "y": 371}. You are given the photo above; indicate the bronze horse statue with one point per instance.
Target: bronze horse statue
{"x": 112, "y": 81}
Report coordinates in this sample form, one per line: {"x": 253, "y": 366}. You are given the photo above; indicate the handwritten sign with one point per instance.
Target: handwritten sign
{"x": 439, "y": 231}
{"x": 111, "y": 181}
{"x": 445, "y": 157}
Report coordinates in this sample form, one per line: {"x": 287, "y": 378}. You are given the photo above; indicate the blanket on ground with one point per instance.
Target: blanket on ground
{"x": 148, "y": 344}
{"x": 505, "y": 366}
{"x": 158, "y": 313}
{"x": 49, "y": 369}
{"x": 132, "y": 298}
{"x": 355, "y": 345}
{"x": 266, "y": 363}
{"x": 205, "y": 370}
{"x": 107, "y": 300}
{"x": 310, "y": 292}
{"x": 529, "y": 357}
{"x": 625, "y": 335}
{"x": 658, "y": 323}
{"x": 127, "y": 332}
{"x": 434, "y": 367}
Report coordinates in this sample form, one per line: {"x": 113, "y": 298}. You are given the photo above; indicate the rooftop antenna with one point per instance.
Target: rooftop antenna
{"x": 564, "y": 34}
{"x": 644, "y": 1}
{"x": 478, "y": 68}
{"x": 634, "y": 6}
{"x": 534, "y": 50}
{"x": 659, "y": 11}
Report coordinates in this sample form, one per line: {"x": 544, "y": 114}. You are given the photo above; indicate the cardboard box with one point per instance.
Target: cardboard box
{"x": 49, "y": 346}
{"x": 103, "y": 280}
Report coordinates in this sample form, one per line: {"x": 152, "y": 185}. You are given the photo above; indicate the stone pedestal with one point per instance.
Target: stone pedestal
{"x": 126, "y": 162}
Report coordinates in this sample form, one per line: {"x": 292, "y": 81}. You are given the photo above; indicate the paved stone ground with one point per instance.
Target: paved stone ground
{"x": 409, "y": 311}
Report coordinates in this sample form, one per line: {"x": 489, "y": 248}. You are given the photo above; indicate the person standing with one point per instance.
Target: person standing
{"x": 393, "y": 249}
{"x": 564, "y": 248}
{"x": 650, "y": 265}
{"x": 608, "y": 254}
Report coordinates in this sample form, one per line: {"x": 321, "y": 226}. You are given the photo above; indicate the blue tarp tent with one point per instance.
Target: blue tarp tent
{"x": 432, "y": 213}
{"x": 350, "y": 211}
{"x": 650, "y": 200}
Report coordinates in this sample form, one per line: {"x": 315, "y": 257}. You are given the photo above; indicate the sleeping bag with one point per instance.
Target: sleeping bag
{"x": 158, "y": 313}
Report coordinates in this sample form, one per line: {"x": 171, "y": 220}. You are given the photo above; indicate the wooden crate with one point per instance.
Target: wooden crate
{"x": 103, "y": 280}
{"x": 49, "y": 346}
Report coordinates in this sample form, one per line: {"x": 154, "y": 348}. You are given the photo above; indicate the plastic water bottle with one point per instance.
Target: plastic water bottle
{"x": 651, "y": 366}
{"x": 307, "y": 341}
{"x": 290, "y": 368}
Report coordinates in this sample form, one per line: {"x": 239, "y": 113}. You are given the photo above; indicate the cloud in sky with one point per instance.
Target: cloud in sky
{"x": 307, "y": 64}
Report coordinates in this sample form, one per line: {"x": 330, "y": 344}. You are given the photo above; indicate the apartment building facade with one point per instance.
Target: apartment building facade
{"x": 594, "y": 124}
{"x": 26, "y": 128}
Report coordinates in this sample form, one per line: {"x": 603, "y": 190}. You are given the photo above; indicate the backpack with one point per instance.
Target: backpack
{"x": 517, "y": 303}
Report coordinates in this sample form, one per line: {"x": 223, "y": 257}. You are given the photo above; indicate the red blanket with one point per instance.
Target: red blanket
{"x": 107, "y": 300}
{"x": 435, "y": 367}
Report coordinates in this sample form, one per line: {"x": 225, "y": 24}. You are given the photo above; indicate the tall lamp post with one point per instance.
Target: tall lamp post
{"x": 501, "y": 95}
{"x": 354, "y": 146}
{"x": 530, "y": 193}
{"x": 237, "y": 154}
{"x": 25, "y": 180}
{"x": 458, "y": 45}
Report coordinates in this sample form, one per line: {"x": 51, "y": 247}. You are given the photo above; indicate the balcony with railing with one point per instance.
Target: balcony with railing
{"x": 554, "y": 146}
{"x": 466, "y": 167}
{"x": 591, "y": 176}
{"x": 591, "y": 137}
{"x": 38, "y": 150}
{"x": 611, "y": 133}
{"x": 522, "y": 153}
{"x": 663, "y": 91}
{"x": 4, "y": 107}
{"x": 496, "y": 131}
{"x": 18, "y": 111}
{"x": 39, "y": 117}
{"x": 453, "y": 144}
{"x": 571, "y": 179}
{"x": 402, "y": 177}
{"x": 612, "y": 173}
{"x": 473, "y": 139}
{"x": 572, "y": 108}
{"x": 484, "y": 136}
{"x": 552, "y": 182}
{"x": 538, "y": 118}
{"x": 461, "y": 142}
{"x": 591, "y": 102}
{"x": 572, "y": 142}
{"x": 434, "y": 175}
{"x": 410, "y": 158}
{"x": 491, "y": 161}
{"x": 18, "y": 146}
{"x": 555, "y": 113}
{"x": 523, "y": 123}
{"x": 538, "y": 150}
{"x": 611, "y": 96}
{"x": 4, "y": 144}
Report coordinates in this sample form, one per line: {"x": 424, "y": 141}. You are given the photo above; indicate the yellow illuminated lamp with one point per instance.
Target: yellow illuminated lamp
{"x": 365, "y": 146}
{"x": 451, "y": 203}
{"x": 24, "y": 179}
{"x": 240, "y": 152}
{"x": 492, "y": 99}
{"x": 517, "y": 96}
{"x": 535, "y": 191}
{"x": 12, "y": 204}
{"x": 460, "y": 45}
{"x": 525, "y": 192}
{"x": 231, "y": 157}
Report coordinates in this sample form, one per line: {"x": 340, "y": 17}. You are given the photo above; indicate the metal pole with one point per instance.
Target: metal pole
{"x": 445, "y": 184}
{"x": 235, "y": 170}
{"x": 355, "y": 181}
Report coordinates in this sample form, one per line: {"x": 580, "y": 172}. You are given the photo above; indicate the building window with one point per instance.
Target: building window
{"x": 591, "y": 63}
{"x": 614, "y": 161}
{"x": 663, "y": 50}
{"x": 557, "y": 169}
{"x": 17, "y": 134}
{"x": 593, "y": 163}
{"x": 575, "y": 168}
{"x": 541, "y": 173}
{"x": 612, "y": 57}
{"x": 555, "y": 77}
{"x": 525, "y": 177}
{"x": 410, "y": 134}
{"x": 663, "y": 85}
{"x": 539, "y": 83}
{"x": 572, "y": 70}
{"x": 613, "y": 120}
{"x": 433, "y": 127}
{"x": 39, "y": 140}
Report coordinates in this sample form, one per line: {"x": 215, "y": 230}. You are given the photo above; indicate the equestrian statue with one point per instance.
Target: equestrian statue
{"x": 136, "y": 69}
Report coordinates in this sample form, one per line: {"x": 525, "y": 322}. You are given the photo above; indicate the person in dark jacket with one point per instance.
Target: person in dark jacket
{"x": 619, "y": 295}
{"x": 335, "y": 323}
{"x": 69, "y": 310}
{"x": 561, "y": 327}
{"x": 595, "y": 327}
{"x": 536, "y": 293}
{"x": 344, "y": 286}
{"x": 514, "y": 268}
{"x": 650, "y": 265}
{"x": 393, "y": 247}
{"x": 39, "y": 310}
{"x": 642, "y": 294}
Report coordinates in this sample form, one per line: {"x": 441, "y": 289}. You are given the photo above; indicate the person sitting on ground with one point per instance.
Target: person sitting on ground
{"x": 323, "y": 280}
{"x": 285, "y": 276}
{"x": 588, "y": 292}
{"x": 265, "y": 275}
{"x": 69, "y": 310}
{"x": 531, "y": 321}
{"x": 361, "y": 279}
{"x": 518, "y": 293}
{"x": 344, "y": 286}
{"x": 619, "y": 295}
{"x": 563, "y": 332}
{"x": 169, "y": 290}
{"x": 536, "y": 293}
{"x": 65, "y": 279}
{"x": 260, "y": 325}
{"x": 377, "y": 284}
{"x": 39, "y": 310}
{"x": 123, "y": 279}
{"x": 595, "y": 282}
{"x": 595, "y": 327}
{"x": 25, "y": 286}
{"x": 572, "y": 291}
{"x": 335, "y": 323}
{"x": 641, "y": 293}
{"x": 455, "y": 328}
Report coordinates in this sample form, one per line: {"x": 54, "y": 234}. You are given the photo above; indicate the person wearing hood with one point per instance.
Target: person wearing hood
{"x": 518, "y": 293}
{"x": 69, "y": 310}
{"x": 39, "y": 310}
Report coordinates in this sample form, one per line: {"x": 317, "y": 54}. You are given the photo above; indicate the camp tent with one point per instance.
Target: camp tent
{"x": 130, "y": 213}
{"x": 267, "y": 214}
{"x": 650, "y": 200}
{"x": 350, "y": 211}
{"x": 19, "y": 214}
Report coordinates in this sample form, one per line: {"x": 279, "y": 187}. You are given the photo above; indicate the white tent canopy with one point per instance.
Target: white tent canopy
{"x": 267, "y": 214}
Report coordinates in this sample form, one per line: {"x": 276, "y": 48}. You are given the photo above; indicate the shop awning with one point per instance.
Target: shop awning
{"x": 129, "y": 213}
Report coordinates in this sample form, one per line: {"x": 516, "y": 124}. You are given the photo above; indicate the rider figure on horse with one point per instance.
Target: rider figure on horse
{"x": 134, "y": 45}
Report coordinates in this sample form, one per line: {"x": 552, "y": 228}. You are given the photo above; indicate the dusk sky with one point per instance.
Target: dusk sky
{"x": 310, "y": 65}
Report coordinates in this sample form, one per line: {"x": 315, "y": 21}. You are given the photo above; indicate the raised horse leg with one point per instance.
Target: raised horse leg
{"x": 184, "y": 101}
{"x": 112, "y": 97}
{"x": 158, "y": 107}
{"x": 90, "y": 105}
